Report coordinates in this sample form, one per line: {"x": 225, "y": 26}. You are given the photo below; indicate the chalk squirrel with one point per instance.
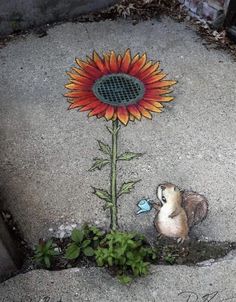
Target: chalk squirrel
{"x": 177, "y": 211}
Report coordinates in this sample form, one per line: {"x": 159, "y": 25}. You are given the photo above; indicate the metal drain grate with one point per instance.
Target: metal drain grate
{"x": 119, "y": 89}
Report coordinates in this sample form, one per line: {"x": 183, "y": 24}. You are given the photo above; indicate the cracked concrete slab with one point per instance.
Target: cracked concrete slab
{"x": 46, "y": 151}
{"x": 165, "y": 283}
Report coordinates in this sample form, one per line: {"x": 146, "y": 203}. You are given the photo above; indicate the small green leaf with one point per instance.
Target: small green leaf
{"x": 72, "y": 251}
{"x": 127, "y": 187}
{"x": 104, "y": 148}
{"x": 130, "y": 255}
{"x": 99, "y": 163}
{"x": 86, "y": 243}
{"x": 77, "y": 235}
{"x": 100, "y": 261}
{"x": 48, "y": 244}
{"x": 102, "y": 194}
{"x": 110, "y": 261}
{"x": 47, "y": 261}
{"x": 88, "y": 251}
{"x": 125, "y": 279}
{"x": 129, "y": 155}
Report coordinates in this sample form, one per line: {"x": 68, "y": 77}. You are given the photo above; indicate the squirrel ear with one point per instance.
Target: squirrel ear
{"x": 176, "y": 189}
{"x": 162, "y": 187}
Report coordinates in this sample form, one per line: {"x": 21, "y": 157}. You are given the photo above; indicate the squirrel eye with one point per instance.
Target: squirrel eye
{"x": 163, "y": 199}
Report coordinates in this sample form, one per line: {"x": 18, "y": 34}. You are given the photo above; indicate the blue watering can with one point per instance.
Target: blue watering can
{"x": 145, "y": 205}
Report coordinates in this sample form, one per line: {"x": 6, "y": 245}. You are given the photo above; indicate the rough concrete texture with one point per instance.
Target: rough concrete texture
{"x": 20, "y": 15}
{"x": 46, "y": 151}
{"x": 164, "y": 284}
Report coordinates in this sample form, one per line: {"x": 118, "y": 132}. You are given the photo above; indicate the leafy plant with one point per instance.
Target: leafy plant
{"x": 44, "y": 252}
{"x": 169, "y": 254}
{"x": 127, "y": 253}
{"x": 169, "y": 258}
{"x": 125, "y": 279}
{"x": 83, "y": 241}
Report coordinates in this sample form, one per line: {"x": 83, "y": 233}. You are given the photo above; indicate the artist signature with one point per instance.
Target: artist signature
{"x": 190, "y": 296}
{"x": 187, "y": 296}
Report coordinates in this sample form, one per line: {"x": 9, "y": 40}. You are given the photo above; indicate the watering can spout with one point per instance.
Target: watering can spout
{"x": 141, "y": 211}
{"x": 144, "y": 205}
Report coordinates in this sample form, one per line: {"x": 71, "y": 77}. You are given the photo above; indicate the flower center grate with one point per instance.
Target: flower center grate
{"x": 119, "y": 89}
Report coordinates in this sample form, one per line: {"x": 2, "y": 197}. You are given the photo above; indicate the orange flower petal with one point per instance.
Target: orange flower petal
{"x": 144, "y": 112}
{"x": 138, "y": 65}
{"x": 79, "y": 103}
{"x": 155, "y": 78}
{"x": 98, "y": 109}
{"x": 154, "y": 103}
{"x": 71, "y": 86}
{"x": 109, "y": 112}
{"x": 153, "y": 93}
{"x": 119, "y": 60}
{"x": 80, "y": 78}
{"x": 134, "y": 111}
{"x": 165, "y": 98}
{"x": 102, "y": 114}
{"x": 114, "y": 118}
{"x": 95, "y": 72}
{"x": 91, "y": 62}
{"x": 146, "y": 66}
{"x": 134, "y": 60}
{"x": 74, "y": 85}
{"x": 81, "y": 94}
{"x": 126, "y": 61}
{"x": 81, "y": 63}
{"x": 107, "y": 61}
{"x": 123, "y": 115}
{"x": 99, "y": 62}
{"x": 113, "y": 62}
{"x": 90, "y": 106}
{"x": 83, "y": 73}
{"x": 156, "y": 85}
{"x": 149, "y": 106}
{"x": 131, "y": 118}
{"x": 165, "y": 83}
{"x": 144, "y": 74}
{"x": 83, "y": 84}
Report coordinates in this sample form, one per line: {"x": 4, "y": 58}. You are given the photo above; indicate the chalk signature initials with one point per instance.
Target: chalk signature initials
{"x": 190, "y": 296}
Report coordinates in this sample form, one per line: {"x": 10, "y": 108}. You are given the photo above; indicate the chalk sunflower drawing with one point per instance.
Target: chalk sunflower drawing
{"x": 120, "y": 88}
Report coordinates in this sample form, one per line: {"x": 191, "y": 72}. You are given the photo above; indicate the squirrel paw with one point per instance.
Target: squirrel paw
{"x": 182, "y": 240}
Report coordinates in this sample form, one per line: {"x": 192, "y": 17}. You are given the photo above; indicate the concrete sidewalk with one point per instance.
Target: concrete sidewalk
{"x": 46, "y": 151}
{"x": 164, "y": 284}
